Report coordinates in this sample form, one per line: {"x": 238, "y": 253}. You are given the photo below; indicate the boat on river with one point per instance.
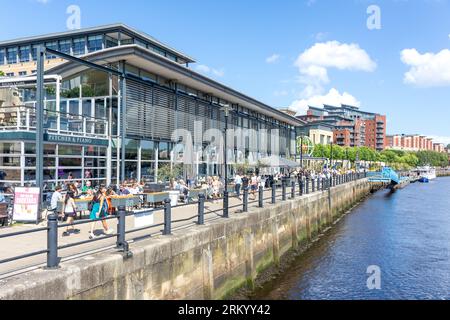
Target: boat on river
{"x": 426, "y": 174}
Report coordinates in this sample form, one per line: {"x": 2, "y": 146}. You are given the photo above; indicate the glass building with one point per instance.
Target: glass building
{"x": 91, "y": 117}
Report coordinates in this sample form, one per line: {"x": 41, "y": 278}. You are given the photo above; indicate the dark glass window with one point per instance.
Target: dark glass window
{"x": 66, "y": 150}
{"x": 53, "y": 46}
{"x": 24, "y": 54}
{"x": 64, "y": 46}
{"x": 95, "y": 43}
{"x": 2, "y": 56}
{"x": 164, "y": 152}
{"x": 131, "y": 149}
{"x": 147, "y": 150}
{"x": 79, "y": 46}
{"x": 10, "y": 148}
{"x": 11, "y": 55}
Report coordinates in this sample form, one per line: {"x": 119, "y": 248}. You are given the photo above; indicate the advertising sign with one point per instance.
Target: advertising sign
{"x": 26, "y": 204}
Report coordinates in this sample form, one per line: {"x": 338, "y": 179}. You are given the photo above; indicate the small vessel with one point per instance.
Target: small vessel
{"x": 426, "y": 174}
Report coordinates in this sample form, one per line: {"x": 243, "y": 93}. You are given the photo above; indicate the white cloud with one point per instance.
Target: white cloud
{"x": 333, "y": 97}
{"x": 207, "y": 70}
{"x": 314, "y": 62}
{"x": 273, "y": 58}
{"x": 428, "y": 69}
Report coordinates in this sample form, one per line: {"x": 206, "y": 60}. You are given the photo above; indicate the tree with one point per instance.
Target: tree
{"x": 2, "y": 74}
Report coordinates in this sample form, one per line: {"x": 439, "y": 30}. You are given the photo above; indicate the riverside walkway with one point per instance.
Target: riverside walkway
{"x": 182, "y": 217}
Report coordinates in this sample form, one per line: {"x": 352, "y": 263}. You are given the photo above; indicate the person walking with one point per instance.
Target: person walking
{"x": 70, "y": 213}
{"x": 56, "y": 197}
{"x": 254, "y": 185}
{"x": 99, "y": 211}
{"x": 237, "y": 185}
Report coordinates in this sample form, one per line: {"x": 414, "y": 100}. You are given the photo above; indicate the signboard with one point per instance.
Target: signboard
{"x": 74, "y": 140}
{"x": 143, "y": 219}
{"x": 26, "y": 204}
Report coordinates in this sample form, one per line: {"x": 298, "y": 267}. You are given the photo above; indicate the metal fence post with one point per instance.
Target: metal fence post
{"x": 261, "y": 197}
{"x": 201, "y": 209}
{"x": 293, "y": 189}
{"x": 121, "y": 216}
{"x": 274, "y": 190}
{"x": 167, "y": 218}
{"x": 301, "y": 186}
{"x": 313, "y": 183}
{"x": 245, "y": 201}
{"x": 52, "y": 241}
{"x": 283, "y": 189}
{"x": 225, "y": 204}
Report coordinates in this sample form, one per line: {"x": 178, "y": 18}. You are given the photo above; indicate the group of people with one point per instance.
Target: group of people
{"x": 99, "y": 207}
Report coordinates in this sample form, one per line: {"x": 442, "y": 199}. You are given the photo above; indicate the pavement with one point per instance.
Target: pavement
{"x": 24, "y": 244}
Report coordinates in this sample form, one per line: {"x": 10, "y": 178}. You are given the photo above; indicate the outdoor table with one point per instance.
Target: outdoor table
{"x": 126, "y": 201}
{"x": 194, "y": 193}
{"x": 156, "y": 197}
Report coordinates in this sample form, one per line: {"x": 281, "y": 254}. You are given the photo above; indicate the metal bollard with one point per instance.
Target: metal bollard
{"x": 274, "y": 191}
{"x": 293, "y": 189}
{"x": 307, "y": 186}
{"x": 283, "y": 189}
{"x": 225, "y": 204}
{"x": 301, "y": 186}
{"x": 52, "y": 241}
{"x": 201, "y": 209}
{"x": 261, "y": 197}
{"x": 313, "y": 185}
{"x": 245, "y": 201}
{"x": 121, "y": 216}
{"x": 167, "y": 218}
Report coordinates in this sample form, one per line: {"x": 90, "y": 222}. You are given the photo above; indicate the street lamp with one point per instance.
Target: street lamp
{"x": 226, "y": 109}
{"x": 301, "y": 152}
{"x": 331, "y": 160}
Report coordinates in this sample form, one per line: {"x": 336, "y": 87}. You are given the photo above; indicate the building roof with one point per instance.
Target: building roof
{"x": 148, "y": 60}
{"x": 104, "y": 28}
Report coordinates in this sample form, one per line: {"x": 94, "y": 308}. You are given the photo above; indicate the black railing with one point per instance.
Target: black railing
{"x": 320, "y": 184}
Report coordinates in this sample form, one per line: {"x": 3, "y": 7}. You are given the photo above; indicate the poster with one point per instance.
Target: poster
{"x": 26, "y": 204}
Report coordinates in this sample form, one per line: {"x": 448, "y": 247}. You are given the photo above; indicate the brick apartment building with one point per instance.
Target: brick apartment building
{"x": 351, "y": 126}
{"x": 413, "y": 142}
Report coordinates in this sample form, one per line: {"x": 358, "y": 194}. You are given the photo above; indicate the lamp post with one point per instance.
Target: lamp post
{"x": 331, "y": 156}
{"x": 226, "y": 110}
{"x": 301, "y": 152}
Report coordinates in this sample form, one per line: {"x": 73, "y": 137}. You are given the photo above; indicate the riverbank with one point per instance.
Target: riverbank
{"x": 388, "y": 230}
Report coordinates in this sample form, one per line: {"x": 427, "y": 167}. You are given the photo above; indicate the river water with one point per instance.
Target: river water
{"x": 406, "y": 234}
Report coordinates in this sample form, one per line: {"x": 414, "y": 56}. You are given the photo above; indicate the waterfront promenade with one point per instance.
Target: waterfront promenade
{"x": 23, "y": 244}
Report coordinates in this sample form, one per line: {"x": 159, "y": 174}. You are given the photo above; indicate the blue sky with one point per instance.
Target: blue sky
{"x": 291, "y": 53}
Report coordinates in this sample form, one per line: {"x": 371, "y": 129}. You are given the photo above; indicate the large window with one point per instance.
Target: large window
{"x": 24, "y": 54}
{"x": 11, "y": 55}
{"x": 53, "y": 46}
{"x": 79, "y": 46}
{"x": 34, "y": 50}
{"x": 64, "y": 46}
{"x": 95, "y": 43}
{"x": 2, "y": 57}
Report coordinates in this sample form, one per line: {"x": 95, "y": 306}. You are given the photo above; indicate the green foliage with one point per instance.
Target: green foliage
{"x": 165, "y": 172}
{"x": 395, "y": 158}
{"x": 2, "y": 74}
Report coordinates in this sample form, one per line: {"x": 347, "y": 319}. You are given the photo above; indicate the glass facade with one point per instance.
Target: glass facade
{"x": 24, "y": 54}
{"x": 11, "y": 55}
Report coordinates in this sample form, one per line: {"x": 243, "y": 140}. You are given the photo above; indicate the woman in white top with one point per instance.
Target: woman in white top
{"x": 70, "y": 212}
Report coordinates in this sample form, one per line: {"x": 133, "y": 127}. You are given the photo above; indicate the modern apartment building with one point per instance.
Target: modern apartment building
{"x": 91, "y": 116}
{"x": 351, "y": 126}
{"x": 413, "y": 142}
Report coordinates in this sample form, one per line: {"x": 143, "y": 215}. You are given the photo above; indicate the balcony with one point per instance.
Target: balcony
{"x": 23, "y": 118}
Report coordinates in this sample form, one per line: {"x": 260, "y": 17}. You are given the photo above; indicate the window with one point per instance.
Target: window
{"x": 34, "y": 50}
{"x": 11, "y": 55}
{"x": 53, "y": 46}
{"x": 22, "y": 73}
{"x": 95, "y": 43}
{"x": 10, "y": 74}
{"x": 148, "y": 76}
{"x": 64, "y": 46}
{"x": 2, "y": 56}
{"x": 131, "y": 149}
{"x": 79, "y": 46}
{"x": 66, "y": 150}
{"x": 147, "y": 150}
{"x": 10, "y": 148}
{"x": 111, "y": 42}
{"x": 24, "y": 54}
{"x": 164, "y": 152}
